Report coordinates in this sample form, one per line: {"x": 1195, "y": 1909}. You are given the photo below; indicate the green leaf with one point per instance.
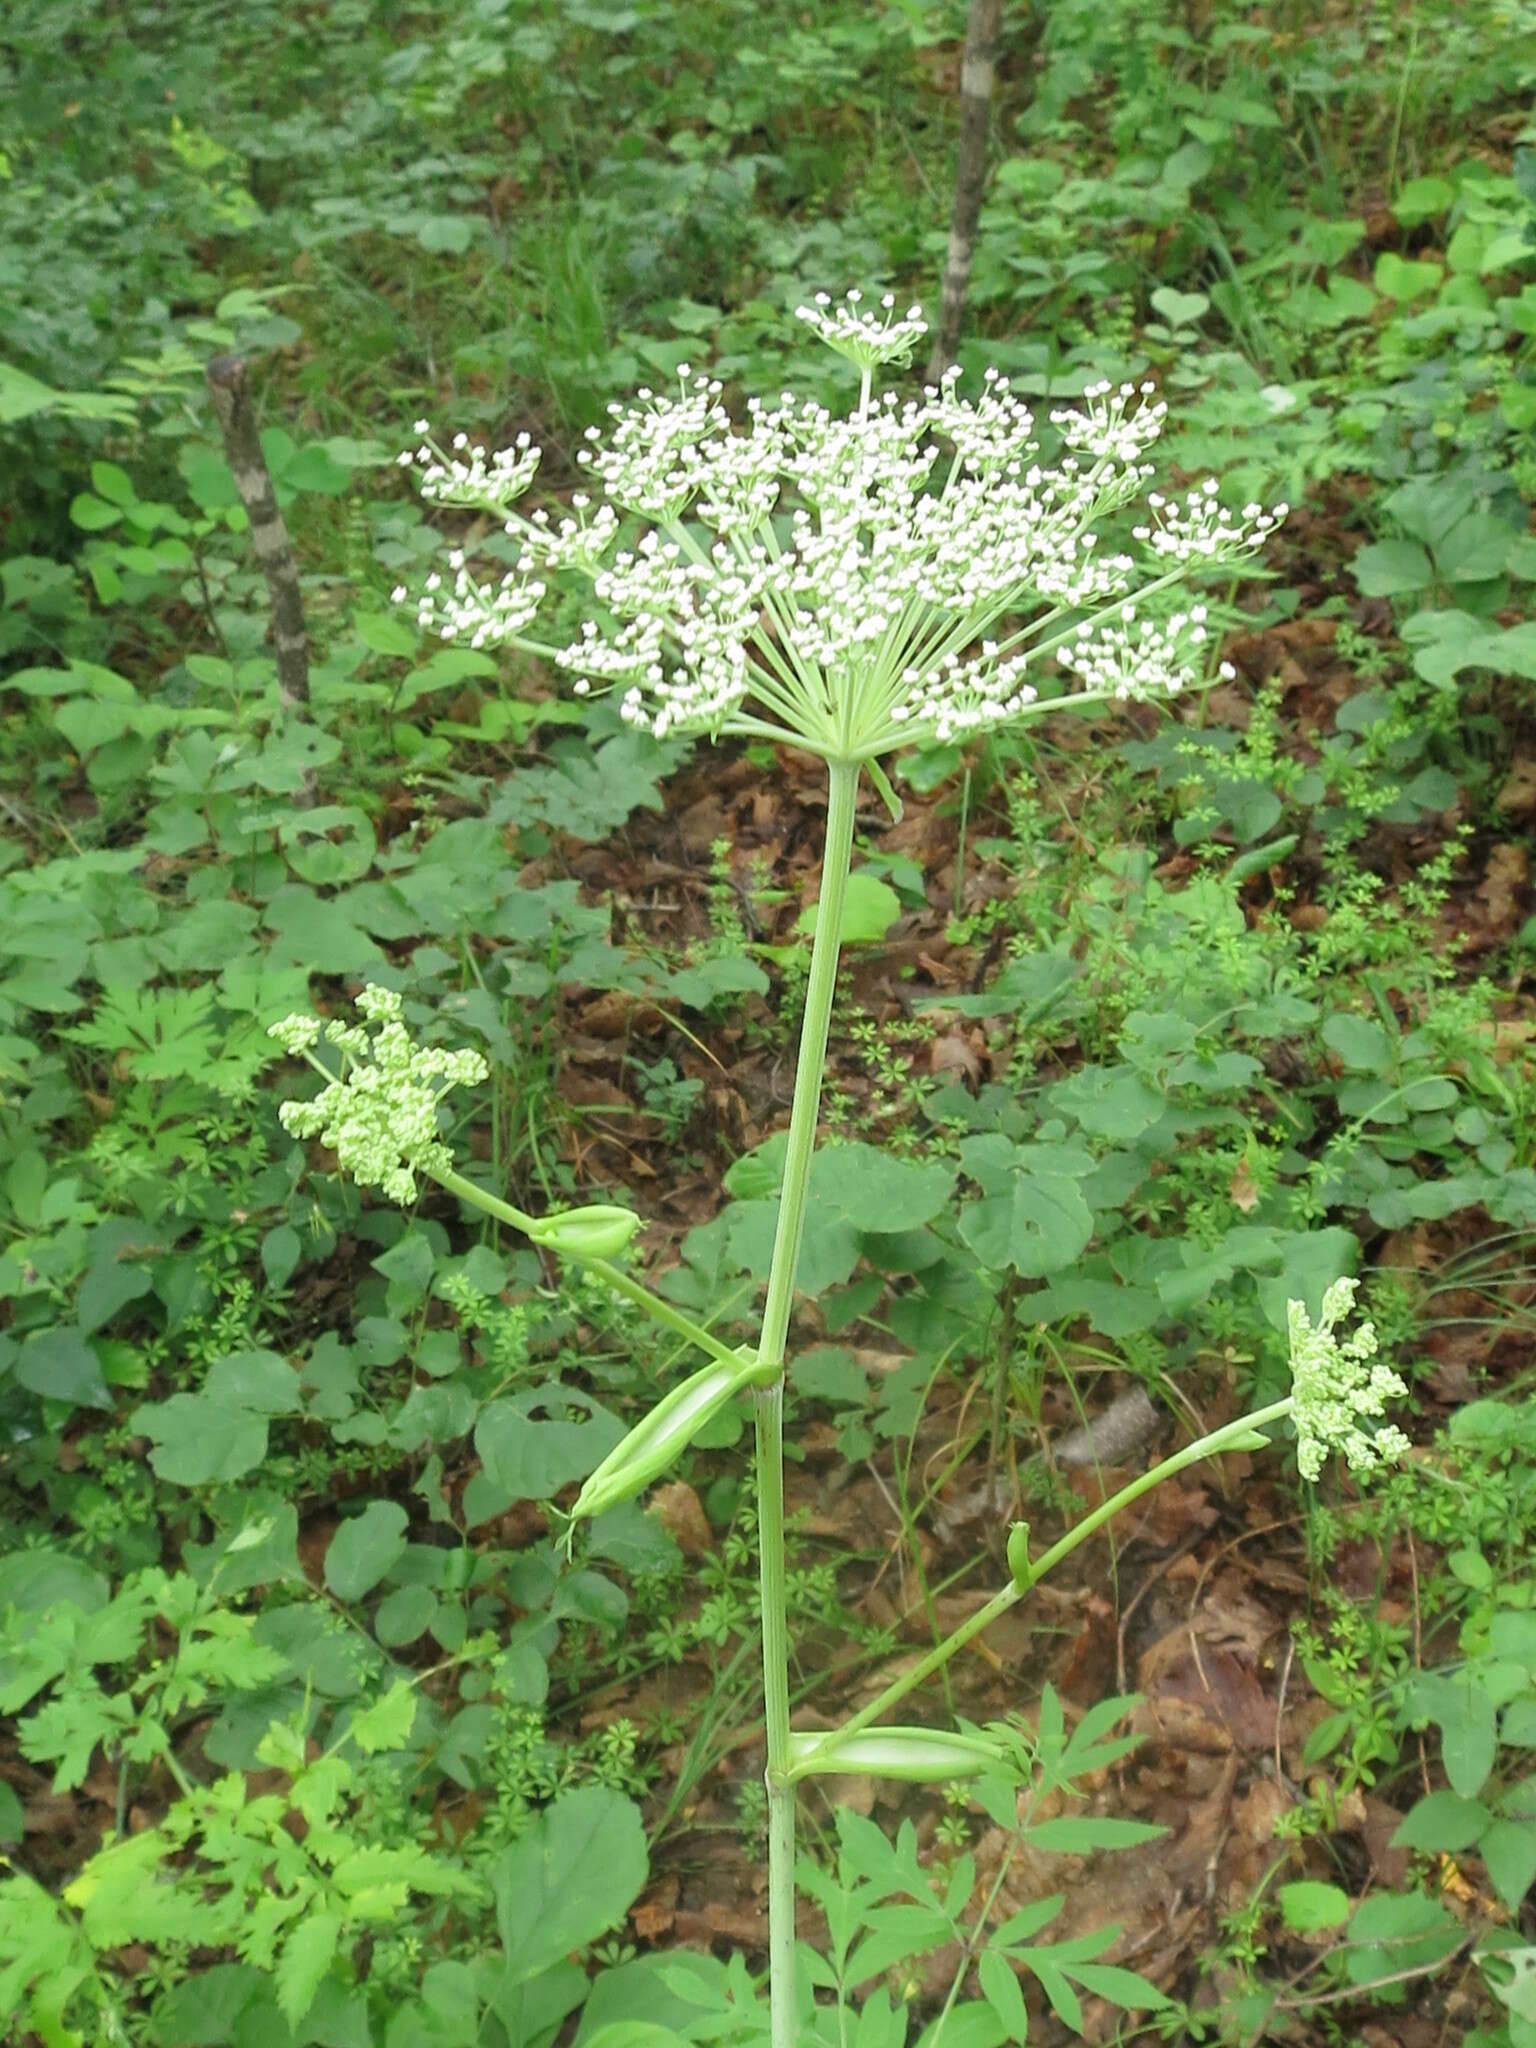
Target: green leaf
{"x": 404, "y": 1615}
{"x": 1179, "y": 309}
{"x": 1309, "y": 1907}
{"x": 444, "y": 233}
{"x": 569, "y": 1879}
{"x": 92, "y": 514}
{"x": 1392, "y": 568}
{"x": 876, "y": 1191}
{"x": 534, "y": 1443}
{"x": 198, "y": 1443}
{"x": 1468, "y": 1738}
{"x": 1398, "y": 278}
{"x": 387, "y": 1723}
{"x": 1082, "y": 1834}
{"x": 1422, "y": 198}
{"x": 257, "y": 1380}
{"x": 1508, "y": 1850}
{"x": 60, "y": 1365}
{"x": 1001, "y": 1989}
{"x": 870, "y": 908}
{"x": 1039, "y": 1226}
{"x": 385, "y": 633}
{"x": 1361, "y": 1043}
{"x": 1394, "y": 1932}
{"x": 1475, "y": 549}
{"x": 364, "y": 1548}
{"x": 307, "y": 1955}
{"x": 1443, "y": 1821}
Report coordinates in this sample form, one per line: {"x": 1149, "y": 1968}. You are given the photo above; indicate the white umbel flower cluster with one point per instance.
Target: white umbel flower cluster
{"x": 1338, "y": 1386}
{"x": 912, "y": 570}
{"x": 380, "y": 1116}
{"x": 467, "y": 476}
{"x": 861, "y": 337}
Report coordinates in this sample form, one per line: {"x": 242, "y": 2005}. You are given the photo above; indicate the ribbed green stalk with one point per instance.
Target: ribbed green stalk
{"x": 842, "y": 796}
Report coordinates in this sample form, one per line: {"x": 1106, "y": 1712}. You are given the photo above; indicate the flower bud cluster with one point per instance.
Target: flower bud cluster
{"x": 471, "y": 479}
{"x": 1338, "y": 1386}
{"x": 1129, "y": 657}
{"x": 915, "y": 569}
{"x": 863, "y": 339}
{"x": 380, "y": 1116}
{"x": 479, "y": 614}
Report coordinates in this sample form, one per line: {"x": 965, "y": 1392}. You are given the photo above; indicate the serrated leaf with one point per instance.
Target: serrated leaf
{"x": 307, "y": 1955}
{"x": 387, "y": 1723}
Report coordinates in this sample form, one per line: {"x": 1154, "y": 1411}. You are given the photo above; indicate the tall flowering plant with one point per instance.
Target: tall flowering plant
{"x": 850, "y": 585}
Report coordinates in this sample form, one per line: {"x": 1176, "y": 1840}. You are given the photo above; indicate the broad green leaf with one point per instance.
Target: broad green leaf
{"x": 1508, "y": 1850}
{"x": 198, "y": 1442}
{"x": 92, "y": 514}
{"x": 1475, "y": 548}
{"x": 404, "y": 1615}
{"x": 1422, "y": 198}
{"x": 1040, "y": 1225}
{"x": 569, "y": 1879}
{"x": 1392, "y": 568}
{"x": 364, "y": 1548}
{"x": 1468, "y": 1736}
{"x": 534, "y": 1443}
{"x": 1399, "y": 278}
{"x": 876, "y": 1191}
{"x": 445, "y": 233}
{"x": 1309, "y": 1906}
{"x": 385, "y": 633}
{"x": 1360, "y": 1042}
{"x": 870, "y": 908}
{"x": 257, "y": 1380}
{"x": 1443, "y": 1821}
{"x": 1396, "y": 1932}
{"x": 60, "y": 1365}
{"x": 1179, "y": 309}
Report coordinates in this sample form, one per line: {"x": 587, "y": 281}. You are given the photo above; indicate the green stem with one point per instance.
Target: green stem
{"x": 612, "y": 1276}
{"x": 999, "y": 1604}
{"x": 842, "y": 797}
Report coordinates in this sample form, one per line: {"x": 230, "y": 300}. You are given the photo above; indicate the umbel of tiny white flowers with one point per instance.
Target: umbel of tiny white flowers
{"x": 854, "y": 584}
{"x": 1338, "y": 1386}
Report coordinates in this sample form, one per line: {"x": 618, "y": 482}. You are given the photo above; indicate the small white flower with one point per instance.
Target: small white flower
{"x": 1338, "y": 1386}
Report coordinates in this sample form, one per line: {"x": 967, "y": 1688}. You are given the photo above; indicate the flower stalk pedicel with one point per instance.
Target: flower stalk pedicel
{"x": 915, "y": 570}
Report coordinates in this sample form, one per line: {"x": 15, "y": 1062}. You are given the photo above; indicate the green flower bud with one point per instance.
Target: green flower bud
{"x": 666, "y": 1432}
{"x": 917, "y": 1755}
{"x": 1018, "y": 1557}
{"x": 599, "y": 1232}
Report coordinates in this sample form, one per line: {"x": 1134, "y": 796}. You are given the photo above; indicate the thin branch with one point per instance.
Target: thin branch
{"x": 229, "y": 386}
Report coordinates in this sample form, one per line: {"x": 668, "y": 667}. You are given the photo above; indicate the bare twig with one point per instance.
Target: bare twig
{"x": 977, "y": 70}
{"x": 229, "y": 386}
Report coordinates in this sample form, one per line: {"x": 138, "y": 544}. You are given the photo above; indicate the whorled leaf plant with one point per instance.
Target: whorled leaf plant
{"x": 849, "y": 585}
